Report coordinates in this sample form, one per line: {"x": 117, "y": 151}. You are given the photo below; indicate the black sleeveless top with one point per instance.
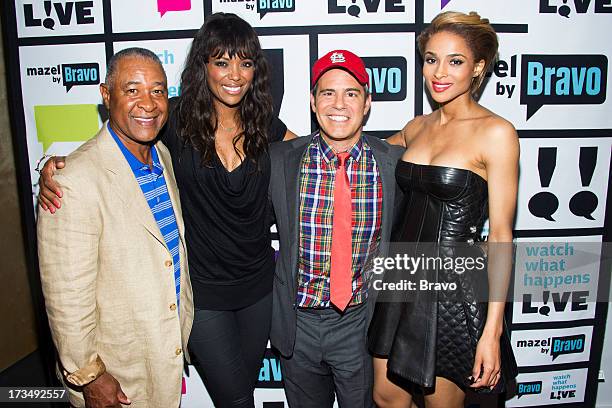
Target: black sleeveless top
{"x": 227, "y": 223}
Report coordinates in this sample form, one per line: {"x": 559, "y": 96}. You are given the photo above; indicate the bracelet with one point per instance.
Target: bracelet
{"x": 42, "y": 161}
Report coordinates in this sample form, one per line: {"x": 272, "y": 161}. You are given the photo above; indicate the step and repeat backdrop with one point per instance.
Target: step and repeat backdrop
{"x": 551, "y": 81}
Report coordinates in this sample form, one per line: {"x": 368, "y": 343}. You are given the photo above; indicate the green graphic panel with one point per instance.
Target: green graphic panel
{"x": 65, "y": 123}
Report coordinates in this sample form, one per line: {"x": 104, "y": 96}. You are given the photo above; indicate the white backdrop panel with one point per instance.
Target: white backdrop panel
{"x": 46, "y": 18}
{"x": 157, "y": 15}
{"x": 281, "y": 13}
{"x": 375, "y": 47}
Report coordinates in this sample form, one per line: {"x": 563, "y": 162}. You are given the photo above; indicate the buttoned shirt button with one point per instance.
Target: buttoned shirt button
{"x": 168, "y": 263}
{"x": 173, "y": 306}
{"x": 178, "y": 351}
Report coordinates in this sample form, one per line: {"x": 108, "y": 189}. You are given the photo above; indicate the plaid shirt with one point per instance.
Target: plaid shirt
{"x": 317, "y": 176}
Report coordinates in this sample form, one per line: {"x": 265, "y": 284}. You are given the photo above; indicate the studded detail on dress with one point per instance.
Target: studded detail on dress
{"x": 436, "y": 334}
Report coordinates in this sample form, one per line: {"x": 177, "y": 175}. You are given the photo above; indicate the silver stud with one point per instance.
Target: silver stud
{"x": 473, "y": 229}
{"x": 470, "y": 241}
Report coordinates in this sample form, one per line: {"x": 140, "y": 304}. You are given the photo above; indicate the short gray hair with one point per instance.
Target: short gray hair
{"x": 111, "y": 69}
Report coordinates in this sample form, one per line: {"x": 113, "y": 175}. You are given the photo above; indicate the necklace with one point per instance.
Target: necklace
{"x": 227, "y": 129}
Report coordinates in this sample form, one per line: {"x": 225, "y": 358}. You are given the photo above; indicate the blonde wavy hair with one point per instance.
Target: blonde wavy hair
{"x": 475, "y": 30}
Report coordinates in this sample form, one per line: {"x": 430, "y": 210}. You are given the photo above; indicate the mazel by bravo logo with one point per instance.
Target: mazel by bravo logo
{"x": 555, "y": 346}
{"x": 62, "y": 13}
{"x": 264, "y": 7}
{"x": 356, "y": 7}
{"x": 553, "y": 79}
{"x": 70, "y": 74}
{"x": 564, "y": 7}
{"x": 387, "y": 77}
{"x": 562, "y": 80}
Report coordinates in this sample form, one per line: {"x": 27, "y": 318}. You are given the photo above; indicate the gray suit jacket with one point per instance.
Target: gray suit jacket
{"x": 286, "y": 158}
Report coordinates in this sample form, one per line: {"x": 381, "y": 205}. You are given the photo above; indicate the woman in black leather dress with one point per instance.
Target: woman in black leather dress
{"x": 460, "y": 166}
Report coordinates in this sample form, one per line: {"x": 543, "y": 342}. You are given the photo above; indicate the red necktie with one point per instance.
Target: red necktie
{"x": 341, "y": 289}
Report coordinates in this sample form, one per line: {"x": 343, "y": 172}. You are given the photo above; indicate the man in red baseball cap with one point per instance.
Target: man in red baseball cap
{"x": 328, "y": 191}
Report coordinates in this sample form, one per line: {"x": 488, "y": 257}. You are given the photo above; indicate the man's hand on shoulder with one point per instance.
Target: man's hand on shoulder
{"x": 104, "y": 391}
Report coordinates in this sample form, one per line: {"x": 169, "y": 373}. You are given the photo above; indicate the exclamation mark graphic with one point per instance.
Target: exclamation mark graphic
{"x": 544, "y": 204}
{"x": 545, "y": 310}
{"x": 48, "y": 22}
{"x": 585, "y": 202}
{"x": 354, "y": 9}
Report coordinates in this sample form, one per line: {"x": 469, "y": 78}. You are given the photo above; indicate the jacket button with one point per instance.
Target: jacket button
{"x": 173, "y": 307}
{"x": 178, "y": 351}
{"x": 168, "y": 264}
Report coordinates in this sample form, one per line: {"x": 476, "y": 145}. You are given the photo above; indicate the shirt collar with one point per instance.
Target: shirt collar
{"x": 328, "y": 153}
{"x": 135, "y": 164}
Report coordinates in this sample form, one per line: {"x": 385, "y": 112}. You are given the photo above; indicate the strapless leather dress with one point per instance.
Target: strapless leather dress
{"x": 435, "y": 333}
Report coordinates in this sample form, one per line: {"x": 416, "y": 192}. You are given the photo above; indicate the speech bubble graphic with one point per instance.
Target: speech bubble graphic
{"x": 562, "y": 80}
{"x": 274, "y": 6}
{"x": 164, "y": 6}
{"x": 544, "y": 310}
{"x": 564, "y": 11}
{"x": 65, "y": 123}
{"x": 544, "y": 205}
{"x": 567, "y": 345}
{"x": 528, "y": 388}
{"x": 583, "y": 204}
{"x": 354, "y": 11}
{"x": 80, "y": 74}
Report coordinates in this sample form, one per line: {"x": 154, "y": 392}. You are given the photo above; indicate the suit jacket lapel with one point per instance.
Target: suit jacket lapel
{"x": 293, "y": 162}
{"x": 386, "y": 165}
{"x": 124, "y": 183}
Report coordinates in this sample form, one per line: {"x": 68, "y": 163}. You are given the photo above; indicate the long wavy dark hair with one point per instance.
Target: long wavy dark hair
{"x": 224, "y": 33}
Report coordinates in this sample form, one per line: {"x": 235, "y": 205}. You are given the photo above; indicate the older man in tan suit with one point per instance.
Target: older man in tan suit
{"x": 112, "y": 259}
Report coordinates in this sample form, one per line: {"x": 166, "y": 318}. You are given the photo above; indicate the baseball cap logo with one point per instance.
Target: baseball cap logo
{"x": 337, "y": 57}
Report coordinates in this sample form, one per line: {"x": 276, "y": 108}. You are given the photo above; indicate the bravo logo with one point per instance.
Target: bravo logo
{"x": 528, "y": 388}
{"x": 370, "y": 6}
{"x": 387, "y": 77}
{"x": 562, "y": 80}
{"x": 64, "y": 13}
{"x": 567, "y": 345}
{"x": 70, "y": 74}
{"x": 274, "y": 6}
{"x": 270, "y": 375}
{"x": 564, "y": 9}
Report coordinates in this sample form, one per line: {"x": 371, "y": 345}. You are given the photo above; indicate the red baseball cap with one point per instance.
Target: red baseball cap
{"x": 341, "y": 59}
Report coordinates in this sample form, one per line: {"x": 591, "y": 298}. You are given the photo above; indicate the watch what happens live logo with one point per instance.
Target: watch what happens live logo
{"x": 70, "y": 74}
{"x": 62, "y": 13}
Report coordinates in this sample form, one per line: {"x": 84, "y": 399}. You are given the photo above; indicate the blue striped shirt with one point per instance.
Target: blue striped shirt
{"x": 153, "y": 185}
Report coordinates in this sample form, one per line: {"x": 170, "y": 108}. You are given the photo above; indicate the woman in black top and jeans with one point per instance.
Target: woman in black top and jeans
{"x": 218, "y": 134}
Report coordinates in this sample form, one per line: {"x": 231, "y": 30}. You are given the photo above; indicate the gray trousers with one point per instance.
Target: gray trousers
{"x": 330, "y": 357}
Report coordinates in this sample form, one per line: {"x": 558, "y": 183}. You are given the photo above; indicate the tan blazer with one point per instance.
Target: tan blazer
{"x": 108, "y": 279}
